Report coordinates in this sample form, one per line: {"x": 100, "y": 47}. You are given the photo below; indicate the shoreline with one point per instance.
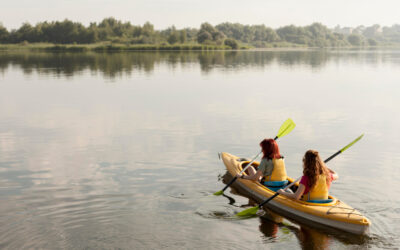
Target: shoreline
{"x": 101, "y": 47}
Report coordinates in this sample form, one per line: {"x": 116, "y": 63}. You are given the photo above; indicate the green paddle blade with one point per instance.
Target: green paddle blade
{"x": 248, "y": 212}
{"x": 219, "y": 192}
{"x": 286, "y": 128}
{"x": 351, "y": 144}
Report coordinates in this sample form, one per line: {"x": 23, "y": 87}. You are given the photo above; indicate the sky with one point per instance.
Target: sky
{"x": 190, "y": 13}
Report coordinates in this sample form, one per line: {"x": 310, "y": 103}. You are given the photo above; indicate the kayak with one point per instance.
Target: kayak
{"x": 334, "y": 213}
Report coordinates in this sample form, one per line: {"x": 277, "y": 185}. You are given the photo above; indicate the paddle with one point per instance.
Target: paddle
{"x": 253, "y": 210}
{"x": 285, "y": 129}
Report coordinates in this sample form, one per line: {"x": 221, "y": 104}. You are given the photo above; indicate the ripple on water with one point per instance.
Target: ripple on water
{"x": 178, "y": 196}
{"x": 223, "y": 211}
{"x": 61, "y": 210}
{"x": 215, "y": 214}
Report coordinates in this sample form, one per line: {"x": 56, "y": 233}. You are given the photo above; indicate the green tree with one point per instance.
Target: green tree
{"x": 148, "y": 33}
{"x": 265, "y": 34}
{"x": 173, "y": 37}
{"x": 293, "y": 34}
{"x": 372, "y": 31}
{"x": 204, "y": 36}
{"x": 182, "y": 36}
{"x": 207, "y": 27}
{"x": 191, "y": 34}
{"x": 391, "y": 34}
{"x": 232, "y": 43}
{"x": 218, "y": 37}
{"x": 148, "y": 29}
{"x": 89, "y": 35}
{"x": 232, "y": 30}
{"x": 136, "y": 31}
{"x": 208, "y": 33}
{"x": 24, "y": 33}
{"x": 355, "y": 40}
{"x": 4, "y": 34}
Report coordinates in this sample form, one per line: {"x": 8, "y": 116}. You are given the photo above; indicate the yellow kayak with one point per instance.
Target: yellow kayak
{"x": 336, "y": 213}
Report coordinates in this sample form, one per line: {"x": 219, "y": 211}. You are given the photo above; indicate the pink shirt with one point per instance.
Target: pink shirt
{"x": 304, "y": 181}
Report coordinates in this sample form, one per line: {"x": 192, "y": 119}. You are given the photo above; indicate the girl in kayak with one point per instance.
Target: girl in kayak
{"x": 316, "y": 180}
{"x": 271, "y": 168}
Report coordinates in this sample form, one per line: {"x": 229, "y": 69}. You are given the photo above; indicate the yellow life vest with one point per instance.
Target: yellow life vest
{"x": 279, "y": 171}
{"x": 320, "y": 190}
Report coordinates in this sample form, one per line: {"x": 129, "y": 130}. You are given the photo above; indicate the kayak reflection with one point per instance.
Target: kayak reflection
{"x": 272, "y": 225}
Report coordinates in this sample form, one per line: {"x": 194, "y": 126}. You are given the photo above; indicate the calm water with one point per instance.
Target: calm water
{"x": 120, "y": 150}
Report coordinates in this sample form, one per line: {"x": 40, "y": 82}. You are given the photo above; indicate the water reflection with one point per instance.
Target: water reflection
{"x": 114, "y": 65}
{"x": 88, "y": 164}
{"x": 273, "y": 226}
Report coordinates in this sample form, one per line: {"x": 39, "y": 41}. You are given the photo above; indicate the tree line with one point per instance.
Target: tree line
{"x": 230, "y": 34}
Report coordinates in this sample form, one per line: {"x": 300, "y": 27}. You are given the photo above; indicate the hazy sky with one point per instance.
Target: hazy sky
{"x": 190, "y": 13}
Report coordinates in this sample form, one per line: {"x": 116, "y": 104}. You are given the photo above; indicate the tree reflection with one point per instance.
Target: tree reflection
{"x": 114, "y": 65}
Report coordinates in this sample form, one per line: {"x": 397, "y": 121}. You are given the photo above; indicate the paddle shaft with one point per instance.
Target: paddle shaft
{"x": 333, "y": 156}
{"x": 298, "y": 179}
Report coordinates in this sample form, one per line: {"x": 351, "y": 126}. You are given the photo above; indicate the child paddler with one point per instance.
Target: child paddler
{"x": 271, "y": 171}
{"x": 316, "y": 180}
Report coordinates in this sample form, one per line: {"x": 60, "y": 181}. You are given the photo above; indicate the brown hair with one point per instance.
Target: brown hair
{"x": 270, "y": 149}
{"x": 313, "y": 167}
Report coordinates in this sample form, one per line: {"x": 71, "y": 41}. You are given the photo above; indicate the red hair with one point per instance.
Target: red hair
{"x": 270, "y": 149}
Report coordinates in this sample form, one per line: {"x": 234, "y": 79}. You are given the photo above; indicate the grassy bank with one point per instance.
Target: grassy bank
{"x": 107, "y": 47}
{"x": 101, "y": 47}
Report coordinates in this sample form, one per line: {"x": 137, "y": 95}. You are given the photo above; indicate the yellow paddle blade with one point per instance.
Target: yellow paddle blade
{"x": 248, "y": 212}
{"x": 349, "y": 145}
{"x": 286, "y": 128}
{"x": 219, "y": 192}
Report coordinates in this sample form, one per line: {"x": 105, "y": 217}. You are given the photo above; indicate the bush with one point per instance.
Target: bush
{"x": 355, "y": 40}
{"x": 231, "y": 43}
{"x": 204, "y": 36}
{"x": 173, "y": 38}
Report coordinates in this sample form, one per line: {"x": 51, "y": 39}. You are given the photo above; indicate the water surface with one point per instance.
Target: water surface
{"x": 119, "y": 150}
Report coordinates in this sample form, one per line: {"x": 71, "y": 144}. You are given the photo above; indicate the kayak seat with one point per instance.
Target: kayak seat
{"x": 321, "y": 201}
{"x": 276, "y": 183}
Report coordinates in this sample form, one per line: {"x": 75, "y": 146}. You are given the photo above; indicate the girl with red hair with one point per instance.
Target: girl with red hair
{"x": 271, "y": 168}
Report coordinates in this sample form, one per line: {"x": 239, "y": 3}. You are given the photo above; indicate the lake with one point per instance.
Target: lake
{"x": 120, "y": 150}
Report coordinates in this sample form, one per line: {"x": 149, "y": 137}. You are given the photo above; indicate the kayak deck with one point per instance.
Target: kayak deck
{"x": 335, "y": 214}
